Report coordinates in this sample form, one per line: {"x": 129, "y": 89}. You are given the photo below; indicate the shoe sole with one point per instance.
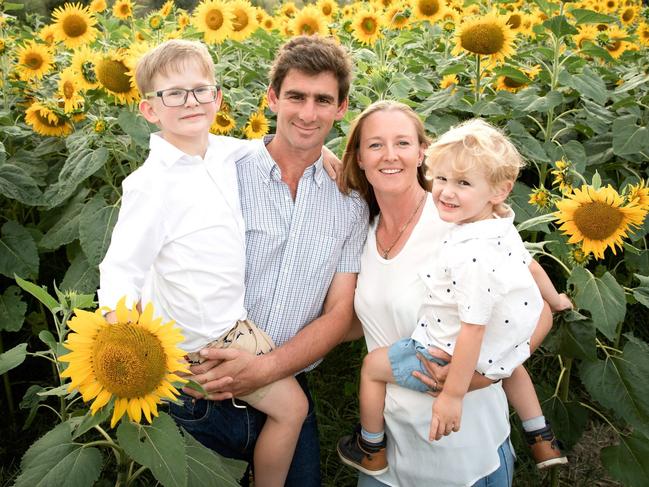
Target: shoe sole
{"x": 552, "y": 463}
{"x": 371, "y": 473}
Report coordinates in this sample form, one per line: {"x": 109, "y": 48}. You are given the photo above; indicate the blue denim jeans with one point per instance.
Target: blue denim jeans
{"x": 502, "y": 477}
{"x": 232, "y": 432}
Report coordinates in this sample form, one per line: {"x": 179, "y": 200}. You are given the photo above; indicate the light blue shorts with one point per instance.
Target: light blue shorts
{"x": 404, "y": 361}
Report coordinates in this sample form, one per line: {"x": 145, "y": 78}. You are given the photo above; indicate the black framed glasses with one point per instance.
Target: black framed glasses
{"x": 176, "y": 97}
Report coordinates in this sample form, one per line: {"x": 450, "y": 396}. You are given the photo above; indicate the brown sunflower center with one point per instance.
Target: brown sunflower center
{"x": 68, "y": 90}
{"x": 627, "y": 15}
{"x": 308, "y": 27}
{"x": 34, "y": 60}
{"x": 256, "y": 125}
{"x": 326, "y": 9}
{"x": 614, "y": 45}
{"x": 125, "y": 9}
{"x": 369, "y": 25}
{"x": 214, "y": 19}
{"x": 240, "y": 20}
{"x": 645, "y": 34}
{"x": 514, "y": 21}
{"x": 222, "y": 120}
{"x": 129, "y": 361}
{"x": 428, "y": 7}
{"x": 483, "y": 38}
{"x": 74, "y": 25}
{"x": 112, "y": 75}
{"x": 597, "y": 220}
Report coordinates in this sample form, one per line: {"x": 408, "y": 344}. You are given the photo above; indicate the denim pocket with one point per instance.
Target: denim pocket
{"x": 191, "y": 411}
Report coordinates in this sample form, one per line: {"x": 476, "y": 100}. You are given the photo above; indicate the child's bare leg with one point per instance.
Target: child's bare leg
{"x": 521, "y": 394}
{"x": 286, "y": 407}
{"x": 375, "y": 373}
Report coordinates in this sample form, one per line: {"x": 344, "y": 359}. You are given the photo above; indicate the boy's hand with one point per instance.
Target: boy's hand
{"x": 563, "y": 303}
{"x": 447, "y": 413}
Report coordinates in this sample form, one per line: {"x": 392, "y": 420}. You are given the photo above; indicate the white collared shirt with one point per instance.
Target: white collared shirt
{"x": 179, "y": 241}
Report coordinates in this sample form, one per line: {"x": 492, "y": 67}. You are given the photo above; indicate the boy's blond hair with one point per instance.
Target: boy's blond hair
{"x": 477, "y": 144}
{"x": 170, "y": 57}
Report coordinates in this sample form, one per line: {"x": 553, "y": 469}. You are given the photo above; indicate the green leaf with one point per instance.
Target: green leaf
{"x": 135, "y": 126}
{"x": 534, "y": 222}
{"x": 48, "y": 339}
{"x": 602, "y": 297}
{"x": 159, "y": 447}
{"x": 12, "y": 309}
{"x": 641, "y": 293}
{"x": 39, "y": 293}
{"x": 621, "y": 383}
{"x": 66, "y": 228}
{"x": 545, "y": 103}
{"x": 13, "y": 358}
{"x": 55, "y": 460}
{"x": 81, "y": 276}
{"x": 17, "y": 185}
{"x": 590, "y": 85}
{"x": 584, "y": 16}
{"x": 30, "y": 401}
{"x": 18, "y": 254}
{"x": 530, "y": 147}
{"x": 569, "y": 419}
{"x": 577, "y": 336}
{"x": 512, "y": 73}
{"x": 89, "y": 421}
{"x": 95, "y": 228}
{"x": 596, "y": 180}
{"x": 205, "y": 467}
{"x": 560, "y": 26}
{"x": 628, "y": 462}
{"x": 628, "y": 136}
{"x": 10, "y": 6}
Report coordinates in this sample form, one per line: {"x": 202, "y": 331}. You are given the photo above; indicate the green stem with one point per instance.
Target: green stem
{"x": 477, "y": 78}
{"x": 7, "y": 385}
{"x": 618, "y": 334}
{"x": 137, "y": 473}
{"x": 589, "y": 407}
{"x": 565, "y": 383}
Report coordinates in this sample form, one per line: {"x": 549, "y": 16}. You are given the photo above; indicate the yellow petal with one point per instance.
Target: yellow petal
{"x": 118, "y": 411}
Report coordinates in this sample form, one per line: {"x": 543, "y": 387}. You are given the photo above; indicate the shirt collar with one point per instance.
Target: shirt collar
{"x": 272, "y": 170}
{"x": 169, "y": 154}
{"x": 495, "y": 227}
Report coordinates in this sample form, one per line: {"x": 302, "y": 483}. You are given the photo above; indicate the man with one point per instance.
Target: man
{"x": 303, "y": 245}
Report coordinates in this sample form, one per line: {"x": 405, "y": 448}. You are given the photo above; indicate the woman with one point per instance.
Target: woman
{"x": 383, "y": 162}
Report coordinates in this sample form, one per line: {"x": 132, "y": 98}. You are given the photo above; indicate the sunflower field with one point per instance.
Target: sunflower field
{"x": 569, "y": 82}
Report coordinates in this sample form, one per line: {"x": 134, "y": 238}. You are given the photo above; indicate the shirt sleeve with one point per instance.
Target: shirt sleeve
{"x": 137, "y": 239}
{"x": 350, "y": 259}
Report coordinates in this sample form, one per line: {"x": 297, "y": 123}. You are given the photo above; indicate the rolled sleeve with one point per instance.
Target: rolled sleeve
{"x": 350, "y": 259}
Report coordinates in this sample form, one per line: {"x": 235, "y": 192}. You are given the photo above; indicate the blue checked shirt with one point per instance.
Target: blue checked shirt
{"x": 294, "y": 248}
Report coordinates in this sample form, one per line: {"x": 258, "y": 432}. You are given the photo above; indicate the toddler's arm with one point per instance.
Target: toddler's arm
{"x": 447, "y": 409}
{"x": 557, "y": 301}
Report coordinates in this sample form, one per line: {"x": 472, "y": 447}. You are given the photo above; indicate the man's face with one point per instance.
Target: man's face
{"x": 306, "y": 109}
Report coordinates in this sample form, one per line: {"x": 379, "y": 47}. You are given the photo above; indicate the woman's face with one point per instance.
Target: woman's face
{"x": 390, "y": 151}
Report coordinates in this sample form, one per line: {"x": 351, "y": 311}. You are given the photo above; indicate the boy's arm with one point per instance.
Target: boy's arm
{"x": 447, "y": 410}
{"x": 557, "y": 302}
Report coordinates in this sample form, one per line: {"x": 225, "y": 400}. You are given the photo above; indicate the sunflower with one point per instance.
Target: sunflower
{"x": 45, "y": 122}
{"x": 155, "y": 21}
{"x": 597, "y": 219}
{"x": 611, "y": 6}
{"x": 74, "y": 24}
{"x": 616, "y": 44}
{"x": 223, "y": 124}
{"x": 397, "y": 16}
{"x": 309, "y": 21}
{"x": 487, "y": 35}
{"x": 83, "y": 65}
{"x": 638, "y": 195}
{"x": 166, "y": 9}
{"x": 449, "y": 19}
{"x": 505, "y": 83}
{"x": 183, "y": 19}
{"x": 288, "y": 9}
{"x": 99, "y": 127}
{"x": 643, "y": 33}
{"x": 533, "y": 71}
{"x": 366, "y": 26}
{"x": 269, "y": 24}
{"x": 263, "y": 102}
{"x": 348, "y": 11}
{"x": 587, "y": 33}
{"x": 328, "y": 8}
{"x": 97, "y": 6}
{"x": 515, "y": 21}
{"x": 48, "y": 34}
{"x": 628, "y": 15}
{"x": 577, "y": 257}
{"x": 540, "y": 197}
{"x": 34, "y": 61}
{"x": 563, "y": 176}
{"x": 133, "y": 361}
{"x": 430, "y": 10}
{"x": 3, "y": 45}
{"x": 123, "y": 9}
{"x": 214, "y": 19}
{"x": 244, "y": 22}
{"x": 115, "y": 76}
{"x": 448, "y": 81}
{"x": 69, "y": 91}
{"x": 257, "y": 126}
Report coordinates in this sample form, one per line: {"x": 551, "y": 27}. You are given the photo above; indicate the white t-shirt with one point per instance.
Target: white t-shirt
{"x": 179, "y": 241}
{"x": 481, "y": 276}
{"x": 388, "y": 297}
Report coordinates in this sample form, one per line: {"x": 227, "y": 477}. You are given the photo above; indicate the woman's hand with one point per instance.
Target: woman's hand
{"x": 332, "y": 164}
{"x": 435, "y": 374}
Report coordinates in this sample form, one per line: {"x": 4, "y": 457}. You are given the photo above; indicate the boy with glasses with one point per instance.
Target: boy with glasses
{"x": 179, "y": 241}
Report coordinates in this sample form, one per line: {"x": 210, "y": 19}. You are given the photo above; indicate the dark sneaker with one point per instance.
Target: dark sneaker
{"x": 364, "y": 457}
{"x": 545, "y": 448}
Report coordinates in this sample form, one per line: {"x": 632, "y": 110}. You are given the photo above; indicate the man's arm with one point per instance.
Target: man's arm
{"x": 231, "y": 372}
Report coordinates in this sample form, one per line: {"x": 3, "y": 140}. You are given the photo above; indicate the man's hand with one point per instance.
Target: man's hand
{"x": 447, "y": 413}
{"x": 228, "y": 372}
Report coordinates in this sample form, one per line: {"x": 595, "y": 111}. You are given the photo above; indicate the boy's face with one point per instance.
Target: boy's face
{"x": 306, "y": 109}
{"x": 186, "y": 125}
{"x": 466, "y": 196}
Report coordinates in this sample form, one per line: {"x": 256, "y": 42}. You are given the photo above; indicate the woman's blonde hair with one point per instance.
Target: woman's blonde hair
{"x": 353, "y": 177}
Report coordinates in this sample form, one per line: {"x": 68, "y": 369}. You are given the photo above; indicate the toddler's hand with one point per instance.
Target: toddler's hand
{"x": 562, "y": 304}
{"x": 447, "y": 413}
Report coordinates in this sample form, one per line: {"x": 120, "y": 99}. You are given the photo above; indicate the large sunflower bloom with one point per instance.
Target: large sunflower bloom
{"x": 328, "y": 8}
{"x": 133, "y": 361}
{"x": 257, "y": 126}
{"x": 45, "y": 122}
{"x": 223, "y": 124}
{"x": 114, "y": 75}
{"x": 34, "y": 61}
{"x": 123, "y": 9}
{"x": 597, "y": 219}
{"x": 366, "y": 26}
{"x": 309, "y": 21}
{"x": 245, "y": 20}
{"x": 487, "y": 35}
{"x": 74, "y": 25}
{"x": 430, "y": 10}
{"x": 214, "y": 19}
{"x": 69, "y": 91}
